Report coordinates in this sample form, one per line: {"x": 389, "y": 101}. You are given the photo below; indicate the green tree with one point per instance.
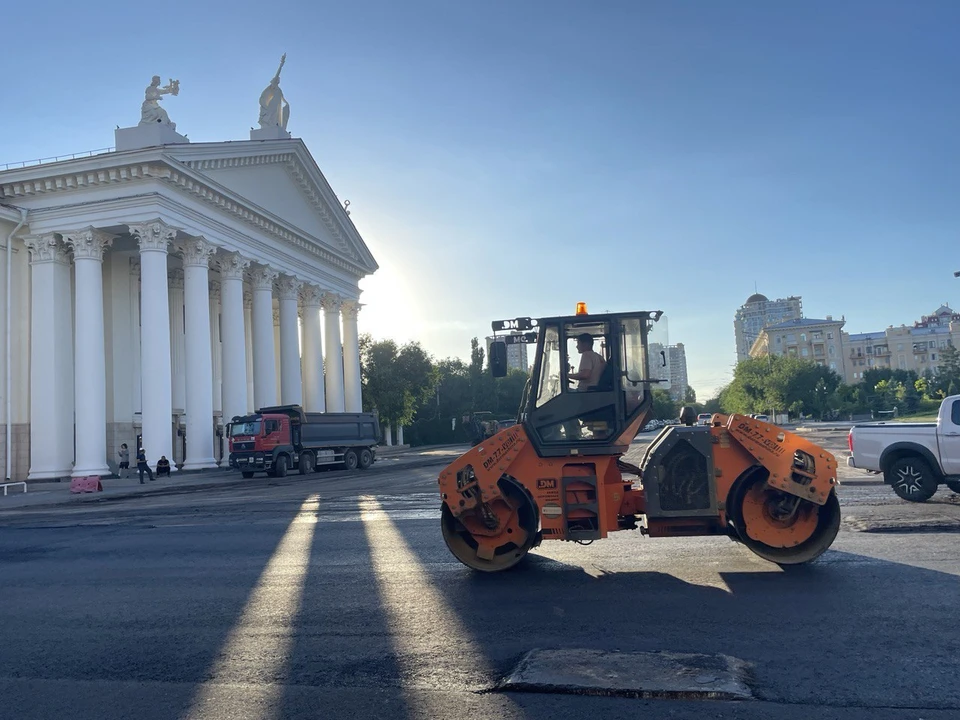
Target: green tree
{"x": 396, "y": 381}
{"x": 948, "y": 374}
{"x": 509, "y": 391}
{"x": 689, "y": 396}
{"x": 664, "y": 406}
{"x": 908, "y": 399}
{"x": 778, "y": 383}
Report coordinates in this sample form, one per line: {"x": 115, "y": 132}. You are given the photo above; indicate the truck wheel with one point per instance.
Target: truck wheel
{"x": 350, "y": 460}
{"x": 306, "y": 464}
{"x": 954, "y": 485}
{"x": 366, "y": 459}
{"x": 247, "y": 474}
{"x": 912, "y": 479}
{"x": 280, "y": 466}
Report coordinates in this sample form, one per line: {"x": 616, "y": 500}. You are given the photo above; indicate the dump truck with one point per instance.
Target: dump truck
{"x": 278, "y": 439}
{"x": 560, "y": 474}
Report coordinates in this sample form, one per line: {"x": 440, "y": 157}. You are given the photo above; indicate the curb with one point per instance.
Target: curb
{"x": 227, "y": 484}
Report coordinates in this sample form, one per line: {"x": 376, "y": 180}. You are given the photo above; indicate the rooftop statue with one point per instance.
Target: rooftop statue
{"x": 150, "y": 111}
{"x": 274, "y": 110}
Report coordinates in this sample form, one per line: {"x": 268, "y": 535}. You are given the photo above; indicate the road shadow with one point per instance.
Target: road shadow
{"x": 341, "y": 635}
{"x": 144, "y": 602}
{"x": 849, "y": 629}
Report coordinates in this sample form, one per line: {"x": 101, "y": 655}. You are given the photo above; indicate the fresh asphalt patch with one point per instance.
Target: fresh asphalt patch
{"x": 901, "y": 525}
{"x": 645, "y": 675}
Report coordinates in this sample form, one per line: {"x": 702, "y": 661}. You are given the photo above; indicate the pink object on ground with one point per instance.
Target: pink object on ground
{"x": 91, "y": 483}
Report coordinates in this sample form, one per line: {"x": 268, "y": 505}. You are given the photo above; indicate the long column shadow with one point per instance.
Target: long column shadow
{"x": 341, "y": 636}
{"x": 131, "y": 603}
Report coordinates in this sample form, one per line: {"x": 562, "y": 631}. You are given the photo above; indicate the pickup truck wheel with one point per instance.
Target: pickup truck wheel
{"x": 366, "y": 459}
{"x": 912, "y": 479}
{"x": 350, "y": 460}
{"x": 280, "y": 466}
{"x": 954, "y": 485}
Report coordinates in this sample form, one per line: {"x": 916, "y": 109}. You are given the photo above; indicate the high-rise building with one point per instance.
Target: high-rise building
{"x": 677, "y": 367}
{"x": 516, "y": 355}
{"x": 659, "y": 354}
{"x": 757, "y": 313}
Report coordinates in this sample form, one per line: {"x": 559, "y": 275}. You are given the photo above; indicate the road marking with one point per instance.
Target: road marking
{"x": 432, "y": 645}
{"x": 262, "y": 638}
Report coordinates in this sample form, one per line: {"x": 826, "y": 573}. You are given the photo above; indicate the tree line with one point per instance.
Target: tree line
{"x": 433, "y": 400}
{"x": 801, "y": 387}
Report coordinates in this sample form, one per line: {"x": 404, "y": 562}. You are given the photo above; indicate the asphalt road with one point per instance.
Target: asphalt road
{"x": 336, "y": 597}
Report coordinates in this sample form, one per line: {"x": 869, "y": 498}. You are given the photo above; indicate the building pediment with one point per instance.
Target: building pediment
{"x": 281, "y": 179}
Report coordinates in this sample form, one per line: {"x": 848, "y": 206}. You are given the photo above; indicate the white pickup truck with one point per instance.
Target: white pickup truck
{"x": 913, "y": 457}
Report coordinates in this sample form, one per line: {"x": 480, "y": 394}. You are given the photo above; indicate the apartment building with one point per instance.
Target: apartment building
{"x": 916, "y": 347}
{"x": 820, "y": 341}
{"x": 677, "y": 367}
{"x": 759, "y": 312}
{"x": 516, "y": 355}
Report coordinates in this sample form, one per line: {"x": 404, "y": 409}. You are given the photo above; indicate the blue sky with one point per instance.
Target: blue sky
{"x": 513, "y": 158}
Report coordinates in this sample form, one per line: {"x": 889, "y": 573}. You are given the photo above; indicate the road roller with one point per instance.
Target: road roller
{"x": 559, "y": 473}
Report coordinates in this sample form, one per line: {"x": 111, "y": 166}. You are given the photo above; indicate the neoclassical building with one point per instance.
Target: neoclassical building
{"x": 159, "y": 289}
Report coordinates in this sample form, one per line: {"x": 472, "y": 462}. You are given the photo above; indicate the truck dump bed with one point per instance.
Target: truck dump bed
{"x": 318, "y": 429}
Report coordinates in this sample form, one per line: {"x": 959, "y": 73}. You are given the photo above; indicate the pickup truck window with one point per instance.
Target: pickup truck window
{"x": 955, "y": 412}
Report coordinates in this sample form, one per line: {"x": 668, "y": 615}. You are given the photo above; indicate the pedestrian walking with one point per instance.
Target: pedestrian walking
{"x": 124, "y": 453}
{"x": 142, "y": 466}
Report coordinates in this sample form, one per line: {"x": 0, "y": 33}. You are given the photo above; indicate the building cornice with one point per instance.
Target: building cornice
{"x": 155, "y": 164}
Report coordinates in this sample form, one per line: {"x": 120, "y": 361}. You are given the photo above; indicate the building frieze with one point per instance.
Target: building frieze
{"x": 181, "y": 176}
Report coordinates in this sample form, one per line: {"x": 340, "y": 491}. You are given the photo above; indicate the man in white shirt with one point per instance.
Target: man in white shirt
{"x": 591, "y": 364}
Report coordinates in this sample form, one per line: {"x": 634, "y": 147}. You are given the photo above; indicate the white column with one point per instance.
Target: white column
{"x": 232, "y": 332}
{"x": 333, "y": 365}
{"x": 264, "y": 363}
{"x": 313, "y": 394}
{"x": 353, "y": 399}
{"x": 134, "y": 299}
{"x": 278, "y": 368}
{"x": 291, "y": 390}
{"x": 177, "y": 364}
{"x": 248, "y": 344}
{"x": 155, "y": 382}
{"x": 51, "y": 359}
{"x": 399, "y": 434}
{"x": 387, "y": 435}
{"x": 90, "y": 378}
{"x": 216, "y": 356}
{"x": 196, "y": 288}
